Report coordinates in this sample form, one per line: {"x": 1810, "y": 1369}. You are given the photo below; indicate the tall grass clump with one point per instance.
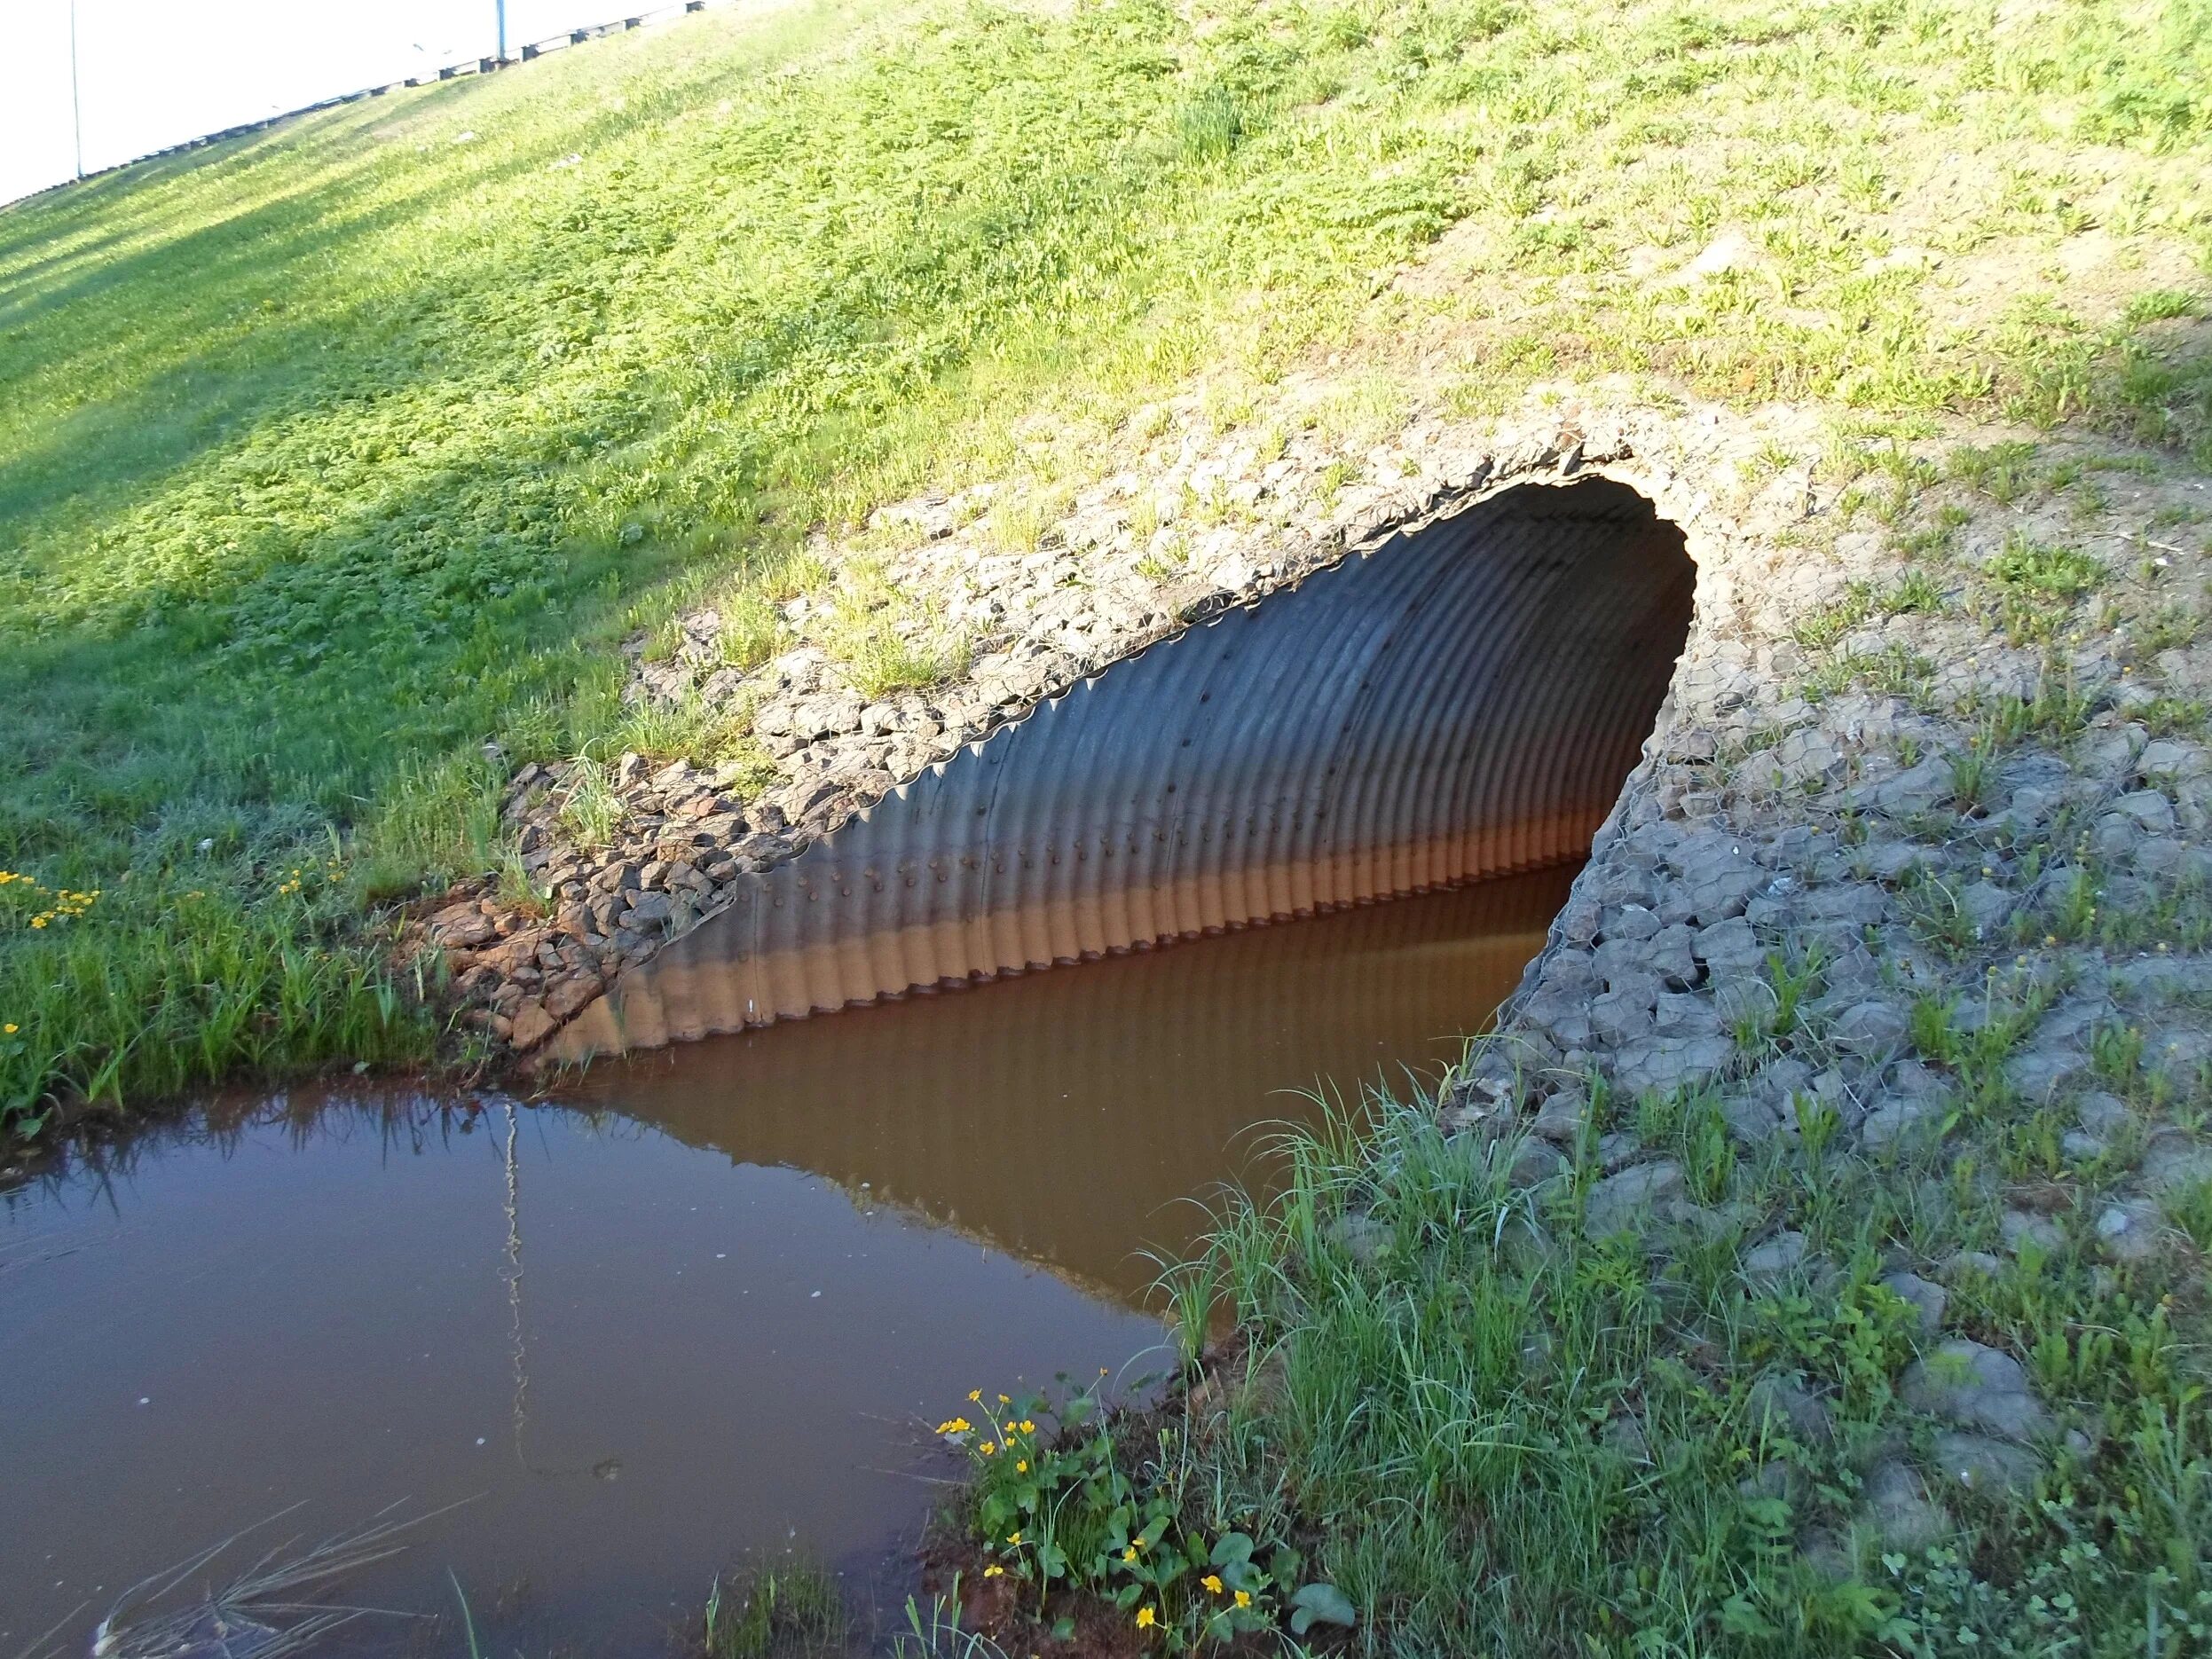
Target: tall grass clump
{"x": 794, "y": 1611}
{"x": 157, "y": 988}
{"x": 1505, "y": 1435}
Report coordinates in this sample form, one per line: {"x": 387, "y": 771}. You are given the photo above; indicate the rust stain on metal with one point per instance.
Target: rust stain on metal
{"x": 1461, "y": 702}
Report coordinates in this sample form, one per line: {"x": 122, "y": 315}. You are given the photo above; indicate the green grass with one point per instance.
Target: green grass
{"x": 2063, "y": 573}
{"x": 792, "y": 1612}
{"x": 330, "y": 455}
{"x": 1503, "y": 1437}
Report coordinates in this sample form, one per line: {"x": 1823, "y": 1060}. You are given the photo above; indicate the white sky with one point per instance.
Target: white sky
{"x": 153, "y": 73}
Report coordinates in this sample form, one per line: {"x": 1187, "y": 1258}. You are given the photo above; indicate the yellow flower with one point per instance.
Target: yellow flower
{"x": 990, "y": 1449}
{"x": 1129, "y": 1554}
{"x": 954, "y": 1426}
{"x": 1022, "y": 1467}
{"x": 1013, "y": 1537}
{"x": 1144, "y": 1619}
{"x": 1003, "y": 1400}
{"x": 1212, "y": 1581}
{"x": 976, "y": 1395}
{"x": 1244, "y": 1598}
{"x": 8, "y": 1029}
{"x": 994, "y": 1571}
{"x": 1029, "y": 1427}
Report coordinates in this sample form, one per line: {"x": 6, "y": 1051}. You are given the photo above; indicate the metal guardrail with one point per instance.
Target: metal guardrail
{"x": 528, "y": 52}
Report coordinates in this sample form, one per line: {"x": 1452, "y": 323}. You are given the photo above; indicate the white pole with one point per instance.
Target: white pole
{"x": 76, "y": 99}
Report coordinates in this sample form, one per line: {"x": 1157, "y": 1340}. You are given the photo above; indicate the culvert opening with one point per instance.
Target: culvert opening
{"x": 1462, "y": 700}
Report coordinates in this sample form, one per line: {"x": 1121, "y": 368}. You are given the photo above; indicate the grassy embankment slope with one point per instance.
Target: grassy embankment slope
{"x": 331, "y": 455}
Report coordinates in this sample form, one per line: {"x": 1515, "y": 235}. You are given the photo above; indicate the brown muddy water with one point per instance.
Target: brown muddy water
{"x": 700, "y": 1309}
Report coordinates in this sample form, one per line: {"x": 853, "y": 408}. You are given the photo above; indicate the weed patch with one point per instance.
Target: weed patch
{"x": 1502, "y": 1436}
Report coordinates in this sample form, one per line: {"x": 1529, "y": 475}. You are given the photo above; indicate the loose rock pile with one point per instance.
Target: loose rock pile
{"x": 685, "y": 838}
{"x": 1812, "y": 867}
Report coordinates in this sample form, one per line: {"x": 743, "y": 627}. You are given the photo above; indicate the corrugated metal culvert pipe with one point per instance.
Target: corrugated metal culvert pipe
{"x": 1463, "y": 701}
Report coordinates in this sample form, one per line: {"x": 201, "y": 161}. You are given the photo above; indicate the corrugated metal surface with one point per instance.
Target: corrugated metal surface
{"x": 1461, "y": 702}
{"x": 1149, "y": 1076}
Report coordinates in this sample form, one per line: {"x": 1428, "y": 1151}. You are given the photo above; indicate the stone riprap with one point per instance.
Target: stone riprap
{"x": 1912, "y": 880}
{"x": 1124, "y": 567}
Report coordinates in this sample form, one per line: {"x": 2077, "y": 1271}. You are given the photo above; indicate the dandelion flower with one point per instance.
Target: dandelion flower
{"x": 1144, "y": 1619}
{"x": 1244, "y": 1598}
{"x": 1212, "y": 1581}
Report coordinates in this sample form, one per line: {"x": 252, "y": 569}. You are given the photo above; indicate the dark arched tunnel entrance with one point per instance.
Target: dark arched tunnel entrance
{"x": 1463, "y": 701}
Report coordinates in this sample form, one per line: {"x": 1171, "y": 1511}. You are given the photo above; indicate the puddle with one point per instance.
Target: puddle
{"x": 705, "y": 1305}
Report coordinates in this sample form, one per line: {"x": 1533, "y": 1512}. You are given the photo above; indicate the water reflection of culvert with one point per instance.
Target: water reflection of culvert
{"x": 1463, "y": 701}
